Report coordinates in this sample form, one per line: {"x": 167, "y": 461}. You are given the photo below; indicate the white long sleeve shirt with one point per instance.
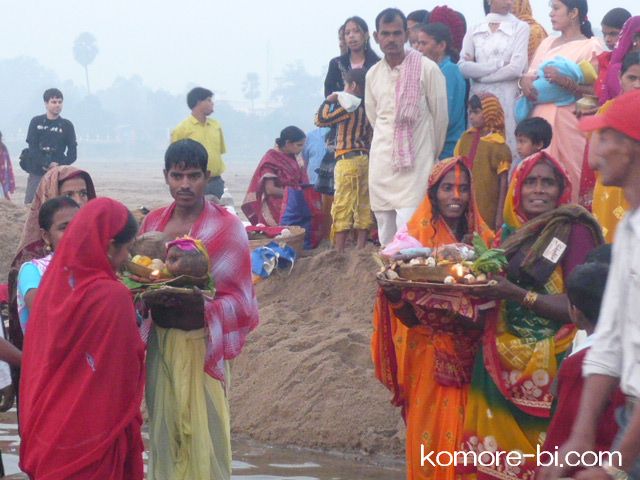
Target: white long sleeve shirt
{"x": 616, "y": 343}
{"x": 494, "y": 62}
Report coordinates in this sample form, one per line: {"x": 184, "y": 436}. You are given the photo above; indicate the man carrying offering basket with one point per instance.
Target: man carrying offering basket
{"x": 187, "y": 358}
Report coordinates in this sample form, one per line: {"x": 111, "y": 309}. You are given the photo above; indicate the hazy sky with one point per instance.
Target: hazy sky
{"x": 172, "y": 45}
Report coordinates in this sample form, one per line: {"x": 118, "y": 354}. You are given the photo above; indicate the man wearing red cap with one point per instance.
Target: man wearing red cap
{"x": 614, "y": 358}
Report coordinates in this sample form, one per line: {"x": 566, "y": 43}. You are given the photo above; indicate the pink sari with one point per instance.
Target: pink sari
{"x": 568, "y": 142}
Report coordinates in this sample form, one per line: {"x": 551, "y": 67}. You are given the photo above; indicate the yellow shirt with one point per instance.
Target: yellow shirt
{"x": 209, "y": 134}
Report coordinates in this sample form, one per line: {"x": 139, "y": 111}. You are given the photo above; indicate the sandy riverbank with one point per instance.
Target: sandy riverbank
{"x": 305, "y": 378}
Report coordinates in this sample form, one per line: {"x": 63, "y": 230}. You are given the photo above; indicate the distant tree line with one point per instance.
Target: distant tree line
{"x": 130, "y": 118}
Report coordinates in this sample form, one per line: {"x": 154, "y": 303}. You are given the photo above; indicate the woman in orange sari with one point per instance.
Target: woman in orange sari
{"x": 525, "y": 340}
{"x": 428, "y": 366}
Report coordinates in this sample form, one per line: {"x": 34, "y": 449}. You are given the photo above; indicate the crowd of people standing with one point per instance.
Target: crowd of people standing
{"x": 530, "y": 141}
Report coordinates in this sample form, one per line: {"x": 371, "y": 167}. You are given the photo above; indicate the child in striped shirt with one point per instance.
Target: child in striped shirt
{"x": 344, "y": 111}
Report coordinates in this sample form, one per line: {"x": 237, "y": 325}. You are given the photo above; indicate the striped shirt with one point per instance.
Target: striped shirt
{"x": 353, "y": 131}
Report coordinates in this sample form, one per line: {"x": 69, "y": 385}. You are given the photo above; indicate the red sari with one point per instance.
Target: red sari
{"x": 258, "y": 206}
{"x": 82, "y": 368}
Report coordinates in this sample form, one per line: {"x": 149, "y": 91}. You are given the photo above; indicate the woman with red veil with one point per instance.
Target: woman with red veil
{"x": 82, "y": 368}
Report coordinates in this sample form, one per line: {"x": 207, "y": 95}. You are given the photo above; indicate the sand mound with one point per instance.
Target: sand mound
{"x": 305, "y": 377}
{"x": 12, "y": 218}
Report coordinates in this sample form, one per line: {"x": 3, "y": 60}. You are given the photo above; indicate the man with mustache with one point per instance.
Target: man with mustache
{"x": 612, "y": 361}
{"x": 406, "y": 104}
{"x": 190, "y": 344}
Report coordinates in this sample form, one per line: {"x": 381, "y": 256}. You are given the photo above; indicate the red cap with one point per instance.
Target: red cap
{"x": 623, "y": 115}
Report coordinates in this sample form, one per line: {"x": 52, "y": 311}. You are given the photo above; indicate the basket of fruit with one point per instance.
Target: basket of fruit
{"x": 156, "y": 263}
{"x": 455, "y": 267}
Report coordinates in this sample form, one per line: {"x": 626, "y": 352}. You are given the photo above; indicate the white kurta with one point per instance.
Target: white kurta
{"x": 495, "y": 61}
{"x": 391, "y": 190}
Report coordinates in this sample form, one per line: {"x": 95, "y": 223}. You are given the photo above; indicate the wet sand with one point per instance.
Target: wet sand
{"x": 252, "y": 460}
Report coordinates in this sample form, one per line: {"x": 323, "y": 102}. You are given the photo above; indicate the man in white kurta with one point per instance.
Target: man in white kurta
{"x": 396, "y": 194}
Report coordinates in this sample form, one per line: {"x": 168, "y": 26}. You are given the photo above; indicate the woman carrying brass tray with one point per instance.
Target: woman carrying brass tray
{"x": 422, "y": 351}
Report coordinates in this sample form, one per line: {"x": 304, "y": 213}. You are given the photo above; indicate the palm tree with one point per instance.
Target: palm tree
{"x": 251, "y": 88}
{"x": 84, "y": 52}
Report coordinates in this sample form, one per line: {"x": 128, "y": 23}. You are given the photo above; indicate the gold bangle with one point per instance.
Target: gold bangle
{"x": 530, "y": 299}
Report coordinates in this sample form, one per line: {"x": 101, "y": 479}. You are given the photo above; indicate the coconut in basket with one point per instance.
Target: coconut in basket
{"x": 187, "y": 260}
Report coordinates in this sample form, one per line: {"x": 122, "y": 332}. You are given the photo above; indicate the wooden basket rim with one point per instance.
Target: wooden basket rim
{"x": 457, "y": 287}
{"x": 296, "y": 238}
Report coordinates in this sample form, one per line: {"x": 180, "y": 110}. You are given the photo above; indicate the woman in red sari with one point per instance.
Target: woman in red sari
{"x": 82, "y": 368}
{"x": 278, "y": 169}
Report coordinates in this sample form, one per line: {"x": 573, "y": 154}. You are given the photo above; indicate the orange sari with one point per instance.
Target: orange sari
{"x": 428, "y": 367}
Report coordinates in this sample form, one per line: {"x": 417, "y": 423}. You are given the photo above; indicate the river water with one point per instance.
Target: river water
{"x": 252, "y": 461}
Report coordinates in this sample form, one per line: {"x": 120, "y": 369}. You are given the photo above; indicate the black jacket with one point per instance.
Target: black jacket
{"x": 51, "y": 141}
{"x": 339, "y": 65}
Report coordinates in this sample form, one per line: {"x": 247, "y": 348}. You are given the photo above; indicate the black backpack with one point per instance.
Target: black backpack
{"x": 30, "y": 164}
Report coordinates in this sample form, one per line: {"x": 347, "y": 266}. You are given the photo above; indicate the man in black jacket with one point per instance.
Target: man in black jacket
{"x": 51, "y": 140}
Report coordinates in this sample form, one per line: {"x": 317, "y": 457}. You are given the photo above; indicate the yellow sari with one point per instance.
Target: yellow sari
{"x": 609, "y": 204}
{"x": 184, "y": 446}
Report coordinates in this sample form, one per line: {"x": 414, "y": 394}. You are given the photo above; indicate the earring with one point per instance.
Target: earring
{"x": 47, "y": 248}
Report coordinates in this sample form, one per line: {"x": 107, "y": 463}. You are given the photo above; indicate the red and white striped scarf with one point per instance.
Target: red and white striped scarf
{"x": 234, "y": 311}
{"x": 408, "y": 93}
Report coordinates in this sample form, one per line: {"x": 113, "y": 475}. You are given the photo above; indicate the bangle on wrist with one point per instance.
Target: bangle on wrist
{"x": 529, "y": 299}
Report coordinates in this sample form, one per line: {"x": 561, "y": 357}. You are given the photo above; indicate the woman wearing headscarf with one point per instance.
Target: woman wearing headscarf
{"x": 494, "y": 57}
{"x": 58, "y": 181}
{"x": 486, "y": 154}
{"x": 529, "y": 334}
{"x": 452, "y": 19}
{"x": 522, "y": 10}
{"x": 423, "y": 353}
{"x": 83, "y": 362}
{"x": 629, "y": 41}
{"x": 278, "y": 169}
